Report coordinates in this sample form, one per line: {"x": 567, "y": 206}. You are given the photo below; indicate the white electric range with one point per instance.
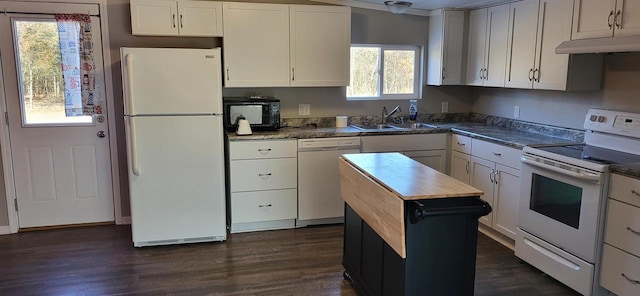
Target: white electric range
{"x": 563, "y": 198}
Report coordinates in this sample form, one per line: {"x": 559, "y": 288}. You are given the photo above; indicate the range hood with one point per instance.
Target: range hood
{"x": 600, "y": 45}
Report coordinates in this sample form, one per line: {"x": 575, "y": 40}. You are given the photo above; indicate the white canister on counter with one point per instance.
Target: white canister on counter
{"x": 341, "y": 121}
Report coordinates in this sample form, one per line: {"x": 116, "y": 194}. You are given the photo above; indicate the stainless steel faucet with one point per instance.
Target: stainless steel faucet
{"x": 385, "y": 115}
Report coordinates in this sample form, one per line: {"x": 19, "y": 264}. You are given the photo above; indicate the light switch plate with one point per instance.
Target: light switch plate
{"x": 516, "y": 112}
{"x": 304, "y": 109}
{"x": 445, "y": 107}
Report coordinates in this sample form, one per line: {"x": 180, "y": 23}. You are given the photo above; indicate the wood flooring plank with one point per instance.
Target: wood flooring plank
{"x": 101, "y": 260}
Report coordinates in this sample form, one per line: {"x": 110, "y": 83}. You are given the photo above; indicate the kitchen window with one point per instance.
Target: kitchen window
{"x": 385, "y": 72}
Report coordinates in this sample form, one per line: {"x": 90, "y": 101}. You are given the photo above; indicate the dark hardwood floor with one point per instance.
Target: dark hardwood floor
{"x": 101, "y": 260}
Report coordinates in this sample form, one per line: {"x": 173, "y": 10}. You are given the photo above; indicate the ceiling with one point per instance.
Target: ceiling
{"x": 436, "y": 4}
{"x": 419, "y": 7}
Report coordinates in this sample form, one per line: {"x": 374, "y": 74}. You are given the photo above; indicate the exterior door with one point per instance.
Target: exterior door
{"x": 61, "y": 164}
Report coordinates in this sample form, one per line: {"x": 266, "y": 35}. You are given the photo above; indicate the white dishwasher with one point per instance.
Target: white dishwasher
{"x": 319, "y": 199}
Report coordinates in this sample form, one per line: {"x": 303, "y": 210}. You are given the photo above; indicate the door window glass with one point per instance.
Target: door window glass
{"x": 557, "y": 200}
{"x": 40, "y": 75}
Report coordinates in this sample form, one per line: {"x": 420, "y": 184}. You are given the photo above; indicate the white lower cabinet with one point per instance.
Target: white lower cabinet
{"x": 495, "y": 169}
{"x": 263, "y": 184}
{"x": 620, "y": 270}
{"x": 461, "y": 158}
{"x": 428, "y": 149}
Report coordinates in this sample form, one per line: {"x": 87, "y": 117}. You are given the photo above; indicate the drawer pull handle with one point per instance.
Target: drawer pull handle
{"x": 462, "y": 144}
{"x": 264, "y": 176}
{"x": 633, "y": 231}
{"x": 264, "y": 151}
{"x": 635, "y": 192}
{"x": 265, "y": 206}
{"x": 635, "y": 282}
{"x": 497, "y": 154}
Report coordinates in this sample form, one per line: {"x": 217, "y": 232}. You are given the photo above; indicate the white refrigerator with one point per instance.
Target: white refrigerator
{"x": 173, "y": 121}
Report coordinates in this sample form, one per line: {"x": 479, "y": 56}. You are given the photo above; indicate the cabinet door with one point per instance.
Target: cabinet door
{"x": 256, "y": 44}
{"x": 521, "y": 46}
{"x": 452, "y": 47}
{"x": 505, "y": 211}
{"x": 593, "y": 18}
{"x": 320, "y": 45}
{"x": 461, "y": 166}
{"x": 434, "y": 159}
{"x": 200, "y": 18}
{"x": 628, "y": 21}
{"x": 154, "y": 17}
{"x": 496, "y": 48}
{"x": 482, "y": 176}
{"x": 554, "y": 27}
{"x": 476, "y": 47}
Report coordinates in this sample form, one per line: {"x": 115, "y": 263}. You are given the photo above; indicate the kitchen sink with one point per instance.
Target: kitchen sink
{"x": 394, "y": 126}
{"x": 376, "y": 127}
{"x": 415, "y": 125}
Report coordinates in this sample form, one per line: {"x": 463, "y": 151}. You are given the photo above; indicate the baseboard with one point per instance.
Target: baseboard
{"x": 5, "y": 230}
{"x": 126, "y": 220}
{"x": 496, "y": 236}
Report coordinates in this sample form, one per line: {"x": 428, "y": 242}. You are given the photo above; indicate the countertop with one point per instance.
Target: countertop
{"x": 409, "y": 179}
{"x": 631, "y": 170}
{"x": 512, "y": 137}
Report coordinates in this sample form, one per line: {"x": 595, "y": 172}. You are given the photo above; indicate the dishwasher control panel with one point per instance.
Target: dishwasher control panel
{"x": 329, "y": 143}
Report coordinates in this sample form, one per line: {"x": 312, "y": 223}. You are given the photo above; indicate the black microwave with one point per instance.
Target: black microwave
{"x": 262, "y": 113}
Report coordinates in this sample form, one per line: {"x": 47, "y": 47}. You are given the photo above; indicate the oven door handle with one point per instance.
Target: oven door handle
{"x": 582, "y": 176}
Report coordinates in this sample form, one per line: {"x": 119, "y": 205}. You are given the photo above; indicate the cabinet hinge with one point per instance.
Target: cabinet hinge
{"x": 15, "y": 203}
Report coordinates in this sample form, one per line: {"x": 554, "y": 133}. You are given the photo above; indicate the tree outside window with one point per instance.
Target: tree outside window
{"x": 383, "y": 72}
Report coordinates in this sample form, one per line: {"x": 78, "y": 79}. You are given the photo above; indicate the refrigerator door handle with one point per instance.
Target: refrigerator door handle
{"x": 132, "y": 140}
{"x": 129, "y": 60}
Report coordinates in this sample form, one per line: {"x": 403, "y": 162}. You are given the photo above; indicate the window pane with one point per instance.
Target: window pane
{"x": 365, "y": 78}
{"x": 42, "y": 89}
{"x": 398, "y": 71}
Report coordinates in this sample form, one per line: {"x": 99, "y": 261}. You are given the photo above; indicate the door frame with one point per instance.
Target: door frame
{"x": 93, "y": 7}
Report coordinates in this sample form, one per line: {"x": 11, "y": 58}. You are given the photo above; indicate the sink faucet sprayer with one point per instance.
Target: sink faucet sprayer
{"x": 386, "y": 115}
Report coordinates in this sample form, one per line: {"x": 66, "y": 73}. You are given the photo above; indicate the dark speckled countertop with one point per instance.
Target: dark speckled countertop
{"x": 517, "y": 136}
{"x": 501, "y": 135}
{"x": 631, "y": 170}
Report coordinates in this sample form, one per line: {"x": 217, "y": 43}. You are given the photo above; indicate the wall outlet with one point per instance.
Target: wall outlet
{"x": 445, "y": 107}
{"x": 304, "y": 109}
{"x": 516, "y": 112}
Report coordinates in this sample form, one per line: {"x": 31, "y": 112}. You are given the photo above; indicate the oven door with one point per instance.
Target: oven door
{"x": 561, "y": 204}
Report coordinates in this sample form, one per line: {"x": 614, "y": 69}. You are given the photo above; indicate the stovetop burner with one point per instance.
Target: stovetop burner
{"x": 593, "y": 154}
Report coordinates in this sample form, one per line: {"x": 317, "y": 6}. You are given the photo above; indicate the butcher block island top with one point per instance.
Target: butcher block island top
{"x": 377, "y": 186}
{"x": 409, "y": 179}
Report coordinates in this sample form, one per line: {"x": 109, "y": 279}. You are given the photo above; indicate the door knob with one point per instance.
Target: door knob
{"x": 102, "y": 134}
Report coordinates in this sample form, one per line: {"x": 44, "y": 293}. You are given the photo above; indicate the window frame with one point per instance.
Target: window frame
{"x": 417, "y": 75}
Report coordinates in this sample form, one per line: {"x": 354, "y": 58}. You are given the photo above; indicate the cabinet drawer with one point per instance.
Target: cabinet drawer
{"x": 625, "y": 189}
{"x": 263, "y": 174}
{"x": 262, "y": 149}
{"x": 461, "y": 143}
{"x": 619, "y": 270}
{"x": 496, "y": 153}
{"x": 257, "y": 206}
{"x": 623, "y": 227}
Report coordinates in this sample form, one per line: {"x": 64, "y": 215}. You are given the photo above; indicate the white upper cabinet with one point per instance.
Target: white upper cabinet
{"x": 277, "y": 45}
{"x": 487, "y": 51}
{"x": 320, "y": 42}
{"x": 176, "y": 18}
{"x": 476, "y": 46}
{"x": 536, "y": 27}
{"x": 605, "y": 18}
{"x": 521, "y": 52}
{"x": 256, "y": 44}
{"x": 445, "y": 51}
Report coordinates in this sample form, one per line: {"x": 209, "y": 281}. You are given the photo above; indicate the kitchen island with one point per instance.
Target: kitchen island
{"x": 409, "y": 229}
